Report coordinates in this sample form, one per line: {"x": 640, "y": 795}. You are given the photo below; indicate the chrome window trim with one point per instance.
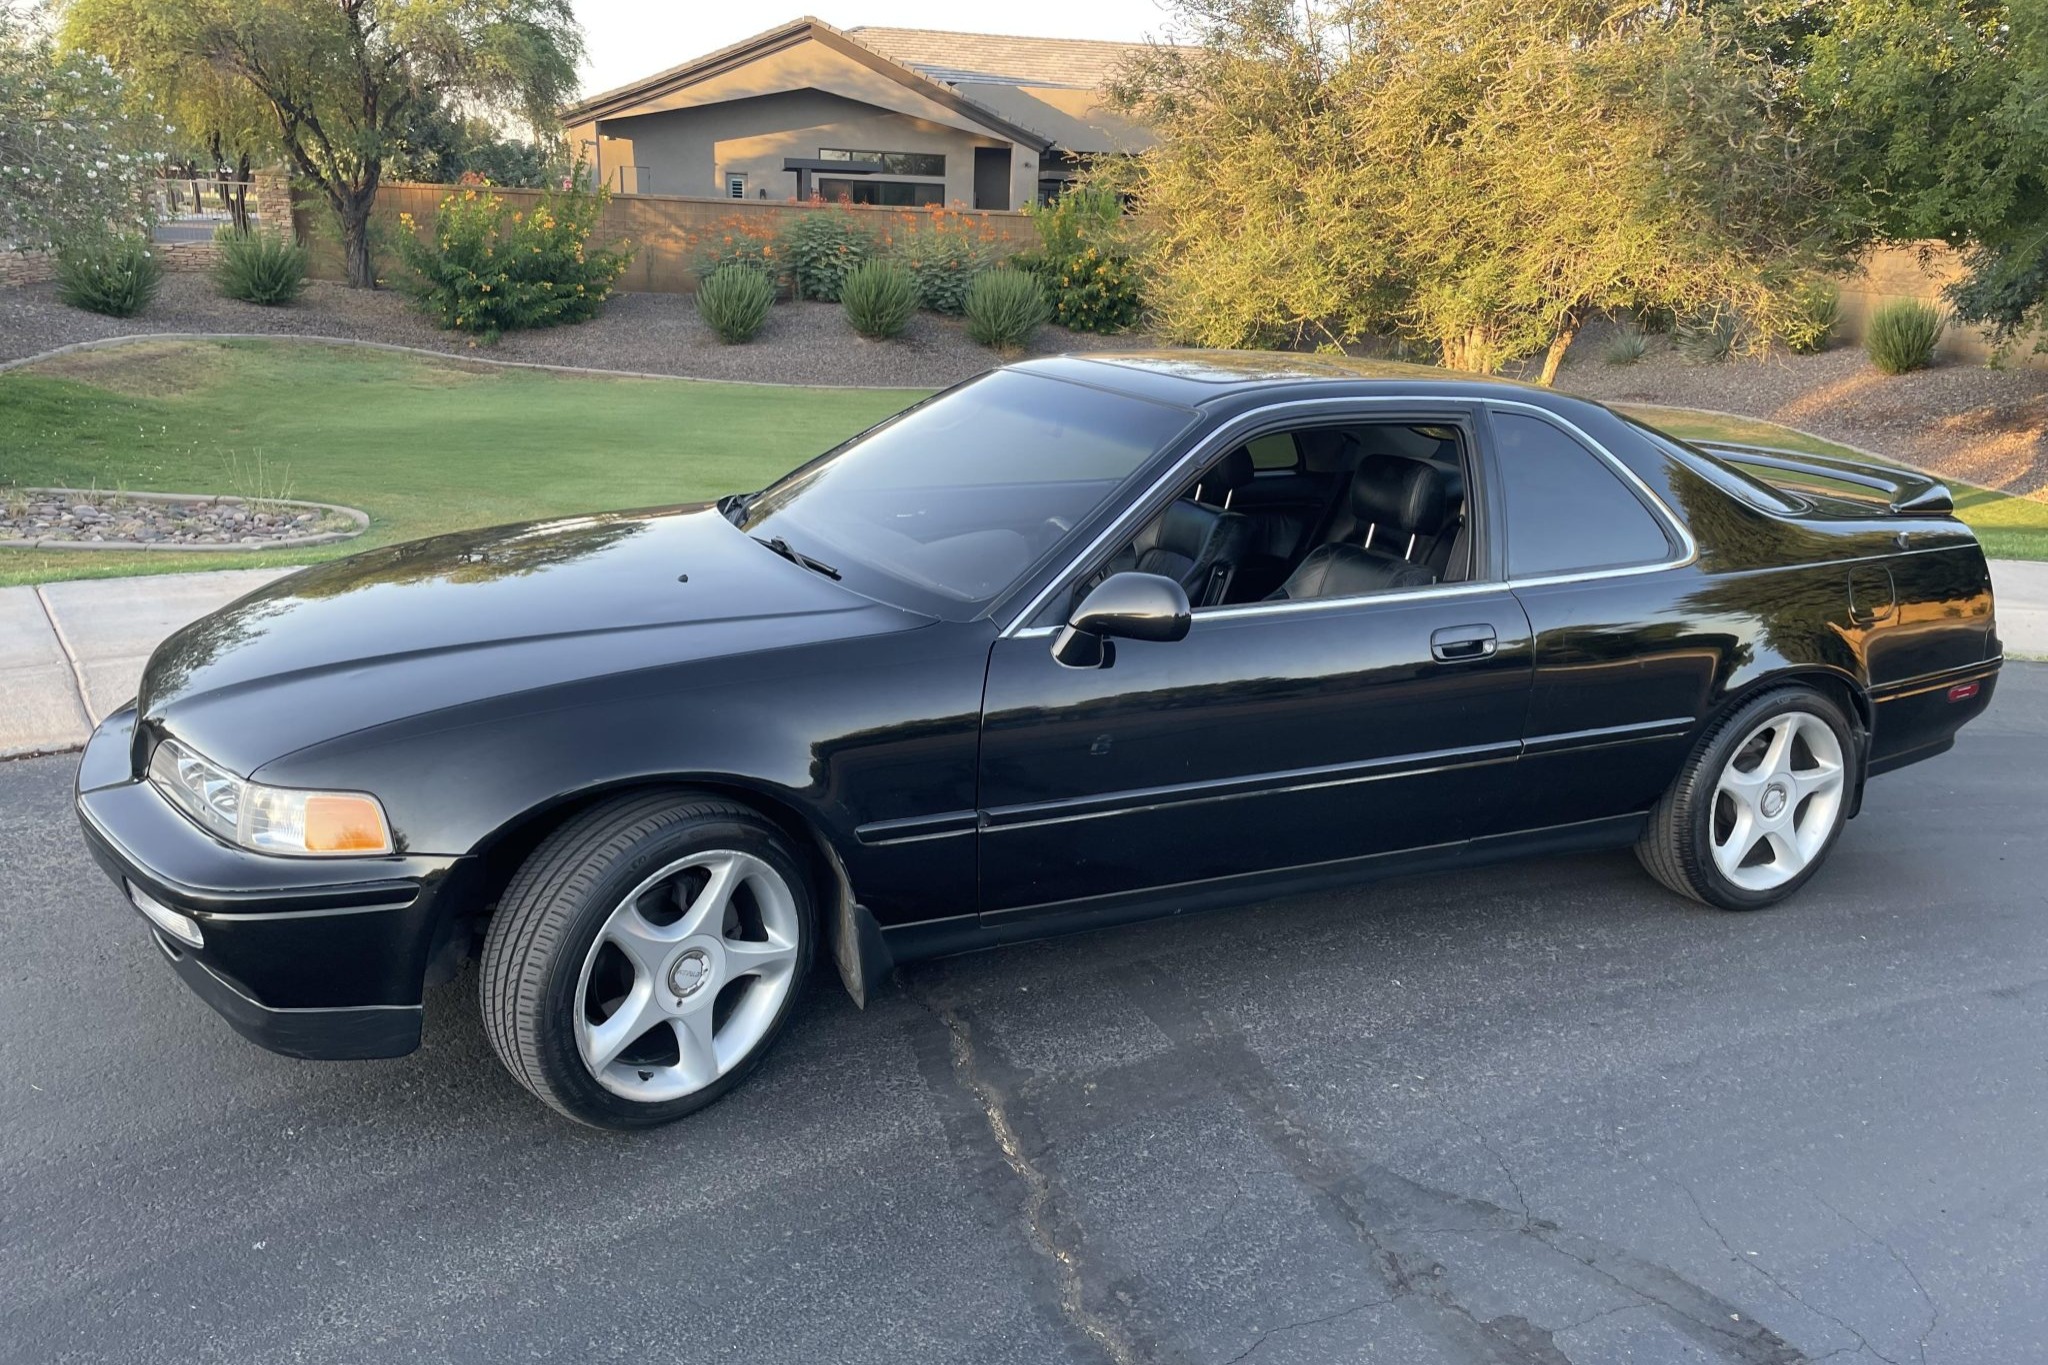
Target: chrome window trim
{"x": 1207, "y": 448}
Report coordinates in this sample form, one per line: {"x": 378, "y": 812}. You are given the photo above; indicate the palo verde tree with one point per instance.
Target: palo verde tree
{"x": 342, "y": 80}
{"x": 1474, "y": 177}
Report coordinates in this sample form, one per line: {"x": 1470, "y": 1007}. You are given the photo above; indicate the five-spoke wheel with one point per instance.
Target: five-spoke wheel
{"x": 1758, "y": 804}
{"x": 645, "y": 955}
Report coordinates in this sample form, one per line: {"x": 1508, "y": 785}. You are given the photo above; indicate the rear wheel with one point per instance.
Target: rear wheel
{"x": 645, "y": 956}
{"x": 1758, "y": 805}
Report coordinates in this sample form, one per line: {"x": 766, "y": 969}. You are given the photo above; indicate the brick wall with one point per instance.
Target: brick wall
{"x": 38, "y": 267}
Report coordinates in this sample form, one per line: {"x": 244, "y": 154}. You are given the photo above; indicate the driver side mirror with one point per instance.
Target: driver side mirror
{"x": 1130, "y": 606}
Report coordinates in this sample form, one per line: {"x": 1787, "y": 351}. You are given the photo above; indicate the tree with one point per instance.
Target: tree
{"x": 1474, "y": 177}
{"x": 342, "y": 79}
{"x": 75, "y": 156}
{"x": 1932, "y": 116}
{"x": 442, "y": 144}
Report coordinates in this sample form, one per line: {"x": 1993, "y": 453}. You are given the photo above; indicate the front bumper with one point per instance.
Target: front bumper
{"x": 308, "y": 957}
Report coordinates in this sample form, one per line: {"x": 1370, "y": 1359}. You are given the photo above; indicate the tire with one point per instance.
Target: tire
{"x": 1795, "y": 806}
{"x": 609, "y": 1011}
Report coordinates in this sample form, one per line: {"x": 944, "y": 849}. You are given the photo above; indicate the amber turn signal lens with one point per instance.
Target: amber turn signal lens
{"x": 343, "y": 822}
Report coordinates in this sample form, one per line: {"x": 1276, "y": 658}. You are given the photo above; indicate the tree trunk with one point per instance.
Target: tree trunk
{"x": 355, "y": 244}
{"x": 1555, "y": 356}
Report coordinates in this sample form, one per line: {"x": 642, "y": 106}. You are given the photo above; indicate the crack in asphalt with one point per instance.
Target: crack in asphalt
{"x": 1304, "y": 1325}
{"x": 1053, "y": 1233}
{"x": 1933, "y": 1308}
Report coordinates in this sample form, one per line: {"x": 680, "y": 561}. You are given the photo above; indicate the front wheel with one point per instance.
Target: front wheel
{"x": 1758, "y": 805}
{"x": 645, "y": 956}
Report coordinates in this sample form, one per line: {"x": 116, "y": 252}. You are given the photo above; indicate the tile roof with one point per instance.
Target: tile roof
{"x": 1078, "y": 63}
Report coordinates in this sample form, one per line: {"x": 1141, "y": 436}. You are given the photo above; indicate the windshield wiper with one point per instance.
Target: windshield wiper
{"x": 733, "y": 506}
{"x": 782, "y": 547}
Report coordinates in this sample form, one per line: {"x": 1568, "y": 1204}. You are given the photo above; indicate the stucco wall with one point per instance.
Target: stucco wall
{"x": 692, "y": 151}
{"x": 1921, "y": 272}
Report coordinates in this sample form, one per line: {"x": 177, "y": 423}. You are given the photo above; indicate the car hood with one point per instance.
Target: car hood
{"x": 401, "y": 631}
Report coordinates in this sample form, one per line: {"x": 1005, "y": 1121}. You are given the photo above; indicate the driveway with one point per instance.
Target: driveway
{"x": 1524, "y": 1115}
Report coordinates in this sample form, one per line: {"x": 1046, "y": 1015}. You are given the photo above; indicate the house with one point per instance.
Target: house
{"x": 874, "y": 115}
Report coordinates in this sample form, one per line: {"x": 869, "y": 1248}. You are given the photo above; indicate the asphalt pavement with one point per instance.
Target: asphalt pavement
{"x": 1527, "y": 1115}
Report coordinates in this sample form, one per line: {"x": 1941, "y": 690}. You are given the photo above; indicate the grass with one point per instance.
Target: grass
{"x": 2009, "y": 527}
{"x": 426, "y": 445}
{"x": 422, "y": 445}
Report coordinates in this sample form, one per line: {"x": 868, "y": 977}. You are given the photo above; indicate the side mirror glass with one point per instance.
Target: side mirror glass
{"x": 1129, "y": 606}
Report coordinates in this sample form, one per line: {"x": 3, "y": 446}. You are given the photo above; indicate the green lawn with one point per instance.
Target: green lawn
{"x": 2010, "y": 528}
{"x": 421, "y": 445}
{"x": 427, "y": 445}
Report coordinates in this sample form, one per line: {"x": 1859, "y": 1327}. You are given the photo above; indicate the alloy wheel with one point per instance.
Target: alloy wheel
{"x": 1777, "y": 800}
{"x": 687, "y": 975}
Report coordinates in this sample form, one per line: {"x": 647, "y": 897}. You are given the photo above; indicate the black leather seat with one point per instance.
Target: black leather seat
{"x": 1197, "y": 543}
{"x": 1398, "y": 502}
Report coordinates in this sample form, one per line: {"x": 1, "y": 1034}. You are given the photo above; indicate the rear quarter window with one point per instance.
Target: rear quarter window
{"x": 1568, "y": 511}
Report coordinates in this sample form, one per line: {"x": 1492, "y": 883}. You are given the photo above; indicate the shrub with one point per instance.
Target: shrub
{"x": 1625, "y": 346}
{"x": 819, "y": 250}
{"x": 1005, "y": 308}
{"x": 879, "y": 299}
{"x": 1902, "y": 335}
{"x": 1816, "y": 306}
{"x": 1706, "y": 338}
{"x": 490, "y": 269}
{"x": 259, "y": 267}
{"x": 734, "y": 300}
{"x": 944, "y": 254}
{"x": 115, "y": 275}
{"x": 736, "y": 240}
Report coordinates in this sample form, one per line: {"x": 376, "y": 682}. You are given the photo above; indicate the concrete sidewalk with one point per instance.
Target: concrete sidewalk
{"x": 72, "y": 652}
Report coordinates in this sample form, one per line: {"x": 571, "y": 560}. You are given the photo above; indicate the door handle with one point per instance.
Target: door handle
{"x": 1459, "y": 644}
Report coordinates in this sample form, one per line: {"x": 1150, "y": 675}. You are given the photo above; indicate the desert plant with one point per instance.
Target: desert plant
{"x": 115, "y": 275}
{"x": 1005, "y": 308}
{"x": 1625, "y": 346}
{"x": 1902, "y": 335}
{"x": 736, "y": 240}
{"x": 488, "y": 268}
{"x": 1707, "y": 337}
{"x": 819, "y": 250}
{"x": 1814, "y": 308}
{"x": 259, "y": 267}
{"x": 879, "y": 298}
{"x": 944, "y": 253}
{"x": 734, "y": 300}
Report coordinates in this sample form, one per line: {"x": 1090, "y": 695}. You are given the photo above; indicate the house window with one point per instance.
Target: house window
{"x": 895, "y": 163}
{"x": 893, "y": 193}
{"x": 736, "y": 187}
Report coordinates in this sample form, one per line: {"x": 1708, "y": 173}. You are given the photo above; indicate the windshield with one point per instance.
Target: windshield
{"x": 943, "y": 508}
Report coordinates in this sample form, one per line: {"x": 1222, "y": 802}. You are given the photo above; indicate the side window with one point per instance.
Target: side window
{"x": 1567, "y": 511}
{"x": 1275, "y": 450}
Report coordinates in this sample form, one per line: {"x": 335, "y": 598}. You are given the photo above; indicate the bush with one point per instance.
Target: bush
{"x": 1005, "y": 308}
{"x": 1706, "y": 338}
{"x": 259, "y": 267}
{"x": 944, "y": 255}
{"x": 819, "y": 250}
{"x": 490, "y": 269}
{"x": 736, "y": 240}
{"x": 1626, "y": 346}
{"x": 1902, "y": 335}
{"x": 1815, "y": 308}
{"x": 117, "y": 276}
{"x": 879, "y": 299}
{"x": 734, "y": 300}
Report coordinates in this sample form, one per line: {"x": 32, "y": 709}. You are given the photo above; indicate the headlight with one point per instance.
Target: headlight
{"x": 267, "y": 819}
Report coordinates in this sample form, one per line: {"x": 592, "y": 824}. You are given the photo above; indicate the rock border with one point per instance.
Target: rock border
{"x": 356, "y": 515}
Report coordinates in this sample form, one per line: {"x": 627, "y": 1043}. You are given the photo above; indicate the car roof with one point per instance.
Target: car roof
{"x": 1195, "y": 378}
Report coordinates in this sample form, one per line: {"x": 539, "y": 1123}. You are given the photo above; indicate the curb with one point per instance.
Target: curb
{"x": 356, "y": 515}
{"x": 454, "y": 357}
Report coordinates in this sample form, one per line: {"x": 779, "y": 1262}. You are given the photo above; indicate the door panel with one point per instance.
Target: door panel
{"x": 1269, "y": 738}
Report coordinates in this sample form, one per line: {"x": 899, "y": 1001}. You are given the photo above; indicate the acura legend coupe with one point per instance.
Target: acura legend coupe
{"x": 1081, "y": 641}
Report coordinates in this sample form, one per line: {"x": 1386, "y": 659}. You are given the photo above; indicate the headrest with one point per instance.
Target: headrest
{"x": 1232, "y": 472}
{"x": 1404, "y": 495}
{"x": 1327, "y": 450}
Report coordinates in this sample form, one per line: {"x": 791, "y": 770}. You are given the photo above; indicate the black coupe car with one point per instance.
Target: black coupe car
{"x": 1078, "y": 642}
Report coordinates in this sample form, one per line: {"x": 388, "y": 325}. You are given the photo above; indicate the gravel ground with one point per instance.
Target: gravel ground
{"x": 803, "y": 343}
{"x": 1988, "y": 427}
